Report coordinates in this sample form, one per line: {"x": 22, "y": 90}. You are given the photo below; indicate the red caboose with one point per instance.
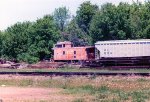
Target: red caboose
{"x": 65, "y": 51}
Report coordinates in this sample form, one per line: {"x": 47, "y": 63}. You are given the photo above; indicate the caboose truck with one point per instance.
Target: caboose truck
{"x": 122, "y": 53}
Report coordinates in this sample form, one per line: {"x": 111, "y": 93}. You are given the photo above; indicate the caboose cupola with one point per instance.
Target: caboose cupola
{"x": 65, "y": 44}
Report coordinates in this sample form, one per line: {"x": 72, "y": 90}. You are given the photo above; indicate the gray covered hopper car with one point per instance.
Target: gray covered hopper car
{"x": 122, "y": 48}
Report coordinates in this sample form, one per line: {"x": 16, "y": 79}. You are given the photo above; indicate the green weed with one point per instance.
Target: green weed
{"x": 138, "y": 96}
{"x": 79, "y": 100}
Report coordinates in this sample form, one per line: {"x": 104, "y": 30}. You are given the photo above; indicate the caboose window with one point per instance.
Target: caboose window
{"x": 75, "y": 52}
{"x": 58, "y": 46}
{"x": 63, "y": 52}
{"x": 63, "y": 45}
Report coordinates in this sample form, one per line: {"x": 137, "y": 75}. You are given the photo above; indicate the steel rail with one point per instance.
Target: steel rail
{"x": 77, "y": 73}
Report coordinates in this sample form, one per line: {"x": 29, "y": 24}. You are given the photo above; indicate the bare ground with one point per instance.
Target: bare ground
{"x": 17, "y": 94}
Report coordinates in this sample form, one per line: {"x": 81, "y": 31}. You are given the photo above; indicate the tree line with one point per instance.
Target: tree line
{"x": 33, "y": 41}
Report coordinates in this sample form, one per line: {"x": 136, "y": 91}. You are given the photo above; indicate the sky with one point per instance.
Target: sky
{"x": 13, "y": 11}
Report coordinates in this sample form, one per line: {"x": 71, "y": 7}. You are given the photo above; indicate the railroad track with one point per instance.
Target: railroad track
{"x": 77, "y": 73}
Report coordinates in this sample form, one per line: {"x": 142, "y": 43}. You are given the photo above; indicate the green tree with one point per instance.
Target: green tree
{"x": 43, "y": 35}
{"x": 111, "y": 23}
{"x": 136, "y": 20}
{"x": 1, "y": 43}
{"x": 28, "y": 41}
{"x": 76, "y": 35}
{"x": 141, "y": 26}
{"x": 103, "y": 25}
{"x": 85, "y": 14}
{"x": 61, "y": 16}
{"x": 16, "y": 40}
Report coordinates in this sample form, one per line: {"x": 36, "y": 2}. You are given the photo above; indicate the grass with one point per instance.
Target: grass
{"x": 87, "y": 89}
{"x": 103, "y": 92}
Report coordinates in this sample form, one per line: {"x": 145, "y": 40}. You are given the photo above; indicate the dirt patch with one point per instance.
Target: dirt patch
{"x": 15, "y": 94}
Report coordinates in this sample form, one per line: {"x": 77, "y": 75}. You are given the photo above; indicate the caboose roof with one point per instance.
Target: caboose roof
{"x": 123, "y": 41}
{"x": 64, "y": 42}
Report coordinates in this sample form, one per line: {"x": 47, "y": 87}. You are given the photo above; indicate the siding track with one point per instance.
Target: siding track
{"x": 77, "y": 73}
